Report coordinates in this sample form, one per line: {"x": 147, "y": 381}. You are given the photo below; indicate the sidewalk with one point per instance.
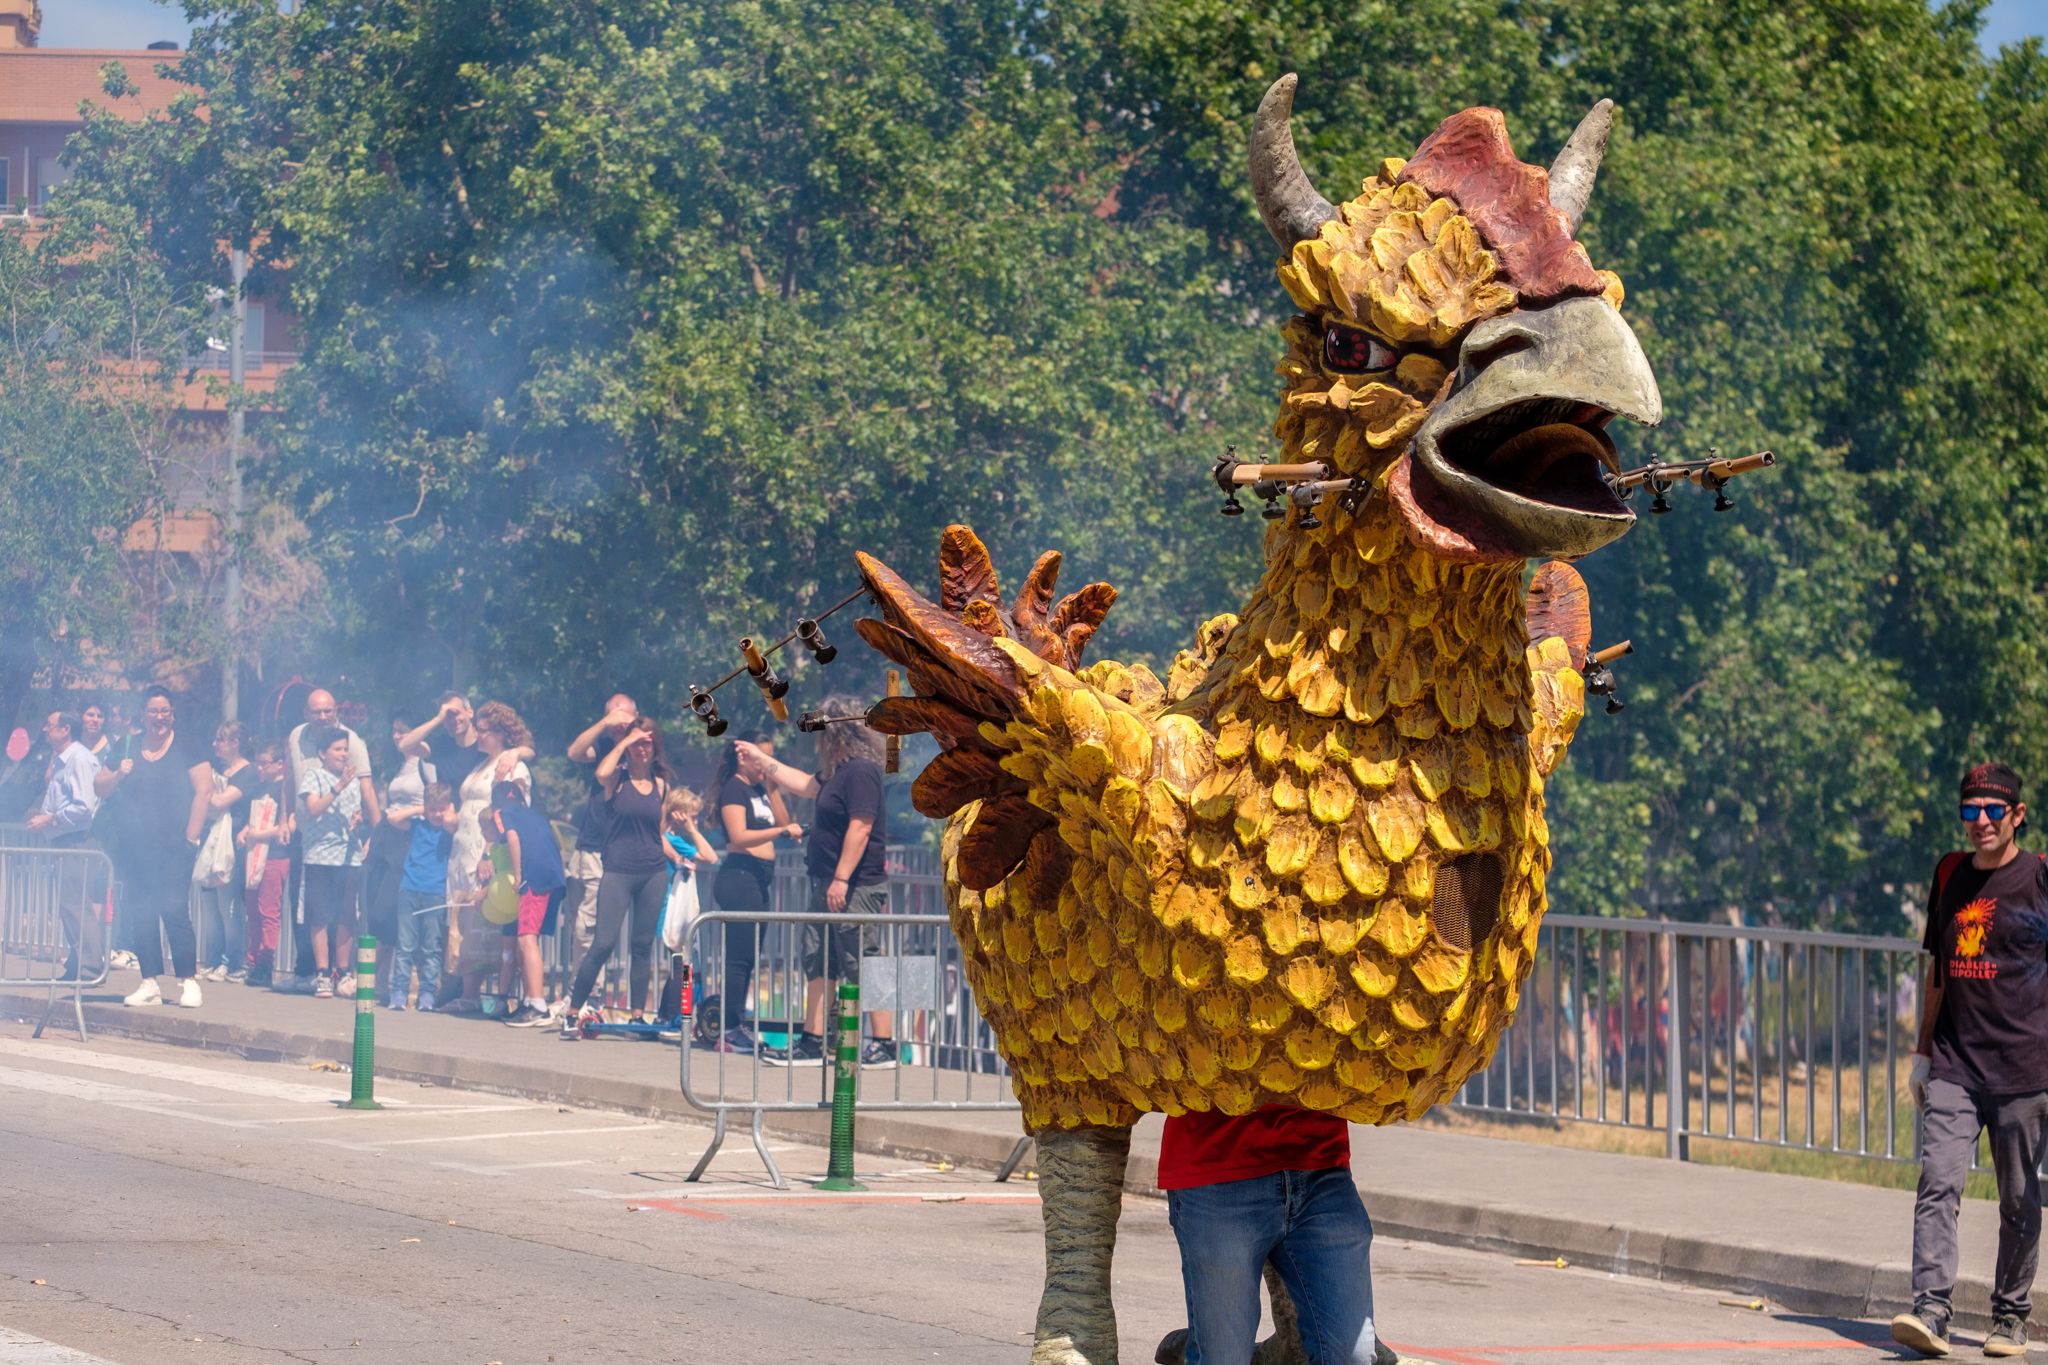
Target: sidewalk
{"x": 1809, "y": 1245}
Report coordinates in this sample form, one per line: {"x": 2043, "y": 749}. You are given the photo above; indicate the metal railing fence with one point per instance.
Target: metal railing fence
{"x": 1774, "y": 1037}
{"x": 55, "y": 903}
{"x": 912, "y": 981}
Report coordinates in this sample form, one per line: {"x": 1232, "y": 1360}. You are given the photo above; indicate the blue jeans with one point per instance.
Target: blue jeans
{"x": 422, "y": 935}
{"x": 222, "y": 925}
{"x": 1313, "y": 1227}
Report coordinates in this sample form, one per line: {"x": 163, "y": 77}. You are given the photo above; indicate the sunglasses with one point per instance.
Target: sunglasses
{"x": 1994, "y": 811}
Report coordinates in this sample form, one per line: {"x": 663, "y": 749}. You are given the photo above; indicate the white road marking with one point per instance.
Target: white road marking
{"x": 490, "y": 1137}
{"x": 79, "y": 1088}
{"x": 19, "y": 1348}
{"x": 263, "y": 1087}
{"x": 476, "y": 1168}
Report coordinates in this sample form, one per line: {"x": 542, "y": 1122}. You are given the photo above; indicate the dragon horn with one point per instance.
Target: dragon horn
{"x": 1572, "y": 174}
{"x": 1290, "y": 206}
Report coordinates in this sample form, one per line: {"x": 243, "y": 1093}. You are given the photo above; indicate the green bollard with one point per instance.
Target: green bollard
{"x": 845, "y": 1085}
{"x": 363, "y": 1079}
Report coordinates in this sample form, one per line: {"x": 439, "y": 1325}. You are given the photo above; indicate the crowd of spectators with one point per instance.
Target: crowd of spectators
{"x": 224, "y": 852}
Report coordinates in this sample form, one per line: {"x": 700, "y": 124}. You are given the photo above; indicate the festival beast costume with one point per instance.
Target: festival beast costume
{"x": 1309, "y": 865}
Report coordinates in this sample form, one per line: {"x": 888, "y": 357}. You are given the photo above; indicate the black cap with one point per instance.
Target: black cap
{"x": 1993, "y": 780}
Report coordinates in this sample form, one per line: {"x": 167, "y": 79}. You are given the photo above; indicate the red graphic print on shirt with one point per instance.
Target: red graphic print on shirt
{"x": 1973, "y": 928}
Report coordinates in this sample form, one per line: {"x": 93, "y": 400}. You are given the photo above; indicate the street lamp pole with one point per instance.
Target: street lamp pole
{"x": 231, "y": 656}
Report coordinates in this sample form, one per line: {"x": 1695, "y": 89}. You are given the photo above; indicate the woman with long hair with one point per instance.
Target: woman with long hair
{"x": 635, "y": 778}
{"x": 848, "y": 870}
{"x": 475, "y": 946}
{"x": 159, "y": 793}
{"x": 752, "y": 817}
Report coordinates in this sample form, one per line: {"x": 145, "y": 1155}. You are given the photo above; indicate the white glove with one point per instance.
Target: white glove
{"x": 1917, "y": 1081}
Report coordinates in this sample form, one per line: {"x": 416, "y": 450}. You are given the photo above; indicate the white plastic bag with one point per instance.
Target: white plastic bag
{"x": 679, "y": 912}
{"x": 215, "y": 865}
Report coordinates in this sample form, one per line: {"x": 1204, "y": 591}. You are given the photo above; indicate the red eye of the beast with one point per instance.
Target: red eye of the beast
{"x": 1350, "y": 350}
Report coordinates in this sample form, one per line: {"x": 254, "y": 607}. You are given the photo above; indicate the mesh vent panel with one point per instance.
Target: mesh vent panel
{"x": 1467, "y": 899}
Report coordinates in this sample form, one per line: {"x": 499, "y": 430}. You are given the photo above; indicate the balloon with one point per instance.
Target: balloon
{"x": 17, "y": 744}
{"x": 501, "y": 900}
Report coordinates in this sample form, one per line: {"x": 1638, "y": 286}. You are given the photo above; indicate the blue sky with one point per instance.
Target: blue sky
{"x": 136, "y": 23}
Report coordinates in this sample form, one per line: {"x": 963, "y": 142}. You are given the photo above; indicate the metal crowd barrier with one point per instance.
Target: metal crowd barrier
{"x": 54, "y": 912}
{"x": 911, "y": 973}
{"x": 1770, "y": 1037}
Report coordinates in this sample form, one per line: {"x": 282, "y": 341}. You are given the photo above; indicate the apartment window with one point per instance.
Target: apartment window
{"x": 6, "y": 184}
{"x": 51, "y": 174}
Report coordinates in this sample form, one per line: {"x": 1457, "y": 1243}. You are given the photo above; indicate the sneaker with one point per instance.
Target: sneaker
{"x": 2008, "y": 1336}
{"x": 239, "y": 976}
{"x": 1924, "y": 1330}
{"x": 217, "y": 972}
{"x": 526, "y": 1016}
{"x": 148, "y": 993}
{"x": 345, "y": 985}
{"x": 397, "y": 1002}
{"x": 737, "y": 1040}
{"x": 807, "y": 1050}
{"x": 122, "y": 959}
{"x": 323, "y": 988}
{"x": 878, "y": 1054}
{"x": 188, "y": 994}
{"x": 424, "y": 1002}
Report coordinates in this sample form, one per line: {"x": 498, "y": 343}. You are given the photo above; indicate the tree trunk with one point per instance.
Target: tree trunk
{"x": 1081, "y": 1189}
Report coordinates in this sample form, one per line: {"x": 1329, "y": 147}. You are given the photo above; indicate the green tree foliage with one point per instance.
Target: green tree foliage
{"x": 86, "y": 312}
{"x": 628, "y": 323}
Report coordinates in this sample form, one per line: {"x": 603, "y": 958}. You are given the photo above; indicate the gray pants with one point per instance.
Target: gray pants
{"x": 1948, "y": 1138}
{"x": 585, "y": 871}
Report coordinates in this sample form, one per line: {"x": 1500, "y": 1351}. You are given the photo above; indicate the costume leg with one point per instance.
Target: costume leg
{"x": 1080, "y": 1188}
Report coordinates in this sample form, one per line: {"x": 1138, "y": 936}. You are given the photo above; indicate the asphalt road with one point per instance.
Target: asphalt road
{"x": 164, "y": 1205}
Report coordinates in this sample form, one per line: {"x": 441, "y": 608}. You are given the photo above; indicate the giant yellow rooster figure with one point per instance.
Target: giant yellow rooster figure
{"x": 1308, "y": 867}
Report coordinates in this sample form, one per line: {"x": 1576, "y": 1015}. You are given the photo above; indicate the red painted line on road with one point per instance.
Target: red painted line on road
{"x": 1827, "y": 1343}
{"x": 1439, "y": 1353}
{"x": 670, "y": 1206}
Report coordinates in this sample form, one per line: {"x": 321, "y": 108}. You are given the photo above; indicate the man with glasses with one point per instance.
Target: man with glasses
{"x": 1982, "y": 1062}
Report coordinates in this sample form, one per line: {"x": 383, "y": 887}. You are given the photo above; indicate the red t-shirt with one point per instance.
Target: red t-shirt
{"x": 1208, "y": 1149}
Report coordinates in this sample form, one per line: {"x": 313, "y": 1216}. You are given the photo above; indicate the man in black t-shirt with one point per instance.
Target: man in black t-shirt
{"x": 1982, "y": 1062}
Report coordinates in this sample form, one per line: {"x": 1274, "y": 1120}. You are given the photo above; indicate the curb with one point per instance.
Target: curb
{"x": 1801, "y": 1282}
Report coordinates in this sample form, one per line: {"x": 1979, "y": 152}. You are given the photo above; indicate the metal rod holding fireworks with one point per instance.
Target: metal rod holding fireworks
{"x": 1712, "y": 472}
{"x": 1267, "y": 481}
{"x": 1242, "y": 474}
{"x": 754, "y": 663}
{"x": 1600, "y": 678}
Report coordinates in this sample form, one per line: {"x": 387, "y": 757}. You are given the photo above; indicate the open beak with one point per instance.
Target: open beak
{"x": 1513, "y": 465}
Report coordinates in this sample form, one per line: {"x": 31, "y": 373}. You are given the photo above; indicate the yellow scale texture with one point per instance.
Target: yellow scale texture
{"x": 1235, "y": 904}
